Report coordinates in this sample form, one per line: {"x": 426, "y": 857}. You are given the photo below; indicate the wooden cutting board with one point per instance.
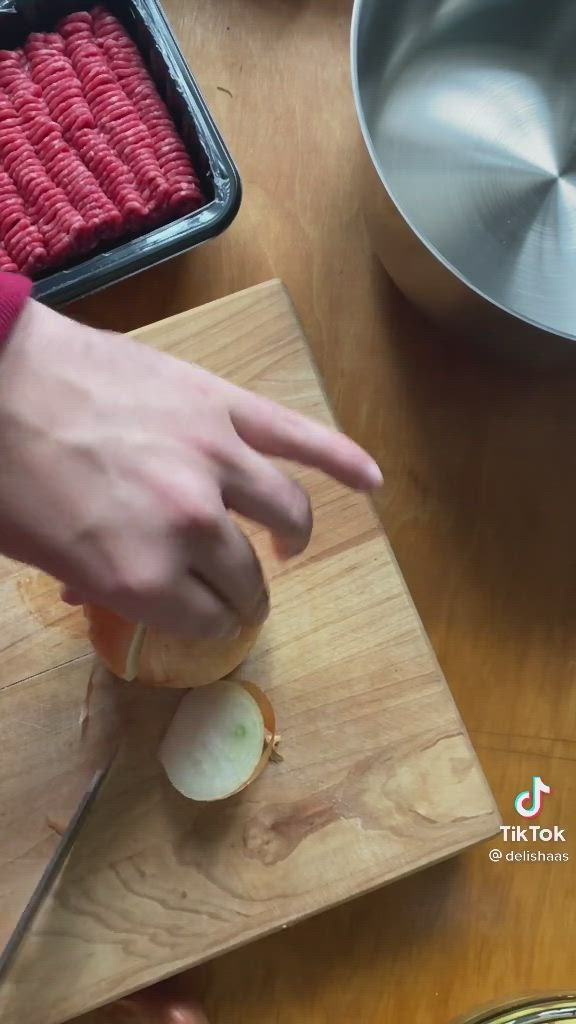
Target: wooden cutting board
{"x": 378, "y": 779}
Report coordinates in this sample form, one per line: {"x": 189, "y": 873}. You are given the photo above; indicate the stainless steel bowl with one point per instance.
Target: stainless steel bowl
{"x": 468, "y": 110}
{"x": 545, "y": 1010}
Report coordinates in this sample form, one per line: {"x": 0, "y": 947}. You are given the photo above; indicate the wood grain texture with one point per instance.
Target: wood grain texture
{"x": 378, "y": 777}
{"x": 478, "y": 504}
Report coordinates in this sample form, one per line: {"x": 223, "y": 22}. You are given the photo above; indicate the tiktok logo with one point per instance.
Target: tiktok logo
{"x": 529, "y": 802}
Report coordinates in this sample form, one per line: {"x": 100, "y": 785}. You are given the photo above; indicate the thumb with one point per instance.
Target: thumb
{"x": 155, "y": 1006}
{"x": 71, "y": 596}
{"x": 183, "y": 1013}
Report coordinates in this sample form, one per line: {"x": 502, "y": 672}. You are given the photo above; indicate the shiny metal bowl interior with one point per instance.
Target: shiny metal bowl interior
{"x": 468, "y": 108}
{"x": 547, "y": 1010}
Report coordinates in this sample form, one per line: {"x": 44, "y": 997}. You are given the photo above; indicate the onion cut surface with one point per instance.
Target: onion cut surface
{"x": 219, "y": 740}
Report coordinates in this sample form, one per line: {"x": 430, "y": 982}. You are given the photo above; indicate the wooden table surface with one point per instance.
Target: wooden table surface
{"x": 479, "y": 505}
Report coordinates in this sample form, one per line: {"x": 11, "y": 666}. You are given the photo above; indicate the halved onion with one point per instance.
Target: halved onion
{"x": 219, "y": 740}
{"x": 177, "y": 661}
{"x": 134, "y": 652}
{"x": 118, "y": 642}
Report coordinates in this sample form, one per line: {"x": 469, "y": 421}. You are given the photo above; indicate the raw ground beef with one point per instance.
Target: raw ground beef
{"x": 88, "y": 150}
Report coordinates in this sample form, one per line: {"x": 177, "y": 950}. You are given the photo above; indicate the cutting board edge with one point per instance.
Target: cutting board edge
{"x": 182, "y": 966}
{"x": 273, "y": 284}
{"x": 391, "y": 552}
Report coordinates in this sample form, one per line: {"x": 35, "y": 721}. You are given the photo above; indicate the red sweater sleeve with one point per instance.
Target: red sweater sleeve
{"x": 14, "y": 291}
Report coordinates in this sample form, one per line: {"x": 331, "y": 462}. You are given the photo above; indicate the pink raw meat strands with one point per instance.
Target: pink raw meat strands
{"x": 129, "y": 68}
{"x": 113, "y": 112}
{"x": 63, "y": 165}
{"x": 88, "y": 150}
{"x": 22, "y": 242}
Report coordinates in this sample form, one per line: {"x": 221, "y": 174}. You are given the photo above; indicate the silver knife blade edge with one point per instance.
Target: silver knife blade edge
{"x": 52, "y": 870}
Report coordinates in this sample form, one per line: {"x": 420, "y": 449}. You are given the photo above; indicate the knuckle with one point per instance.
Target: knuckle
{"x": 141, "y": 581}
{"x": 217, "y": 445}
{"x": 189, "y": 504}
{"x": 203, "y": 517}
{"x": 215, "y": 623}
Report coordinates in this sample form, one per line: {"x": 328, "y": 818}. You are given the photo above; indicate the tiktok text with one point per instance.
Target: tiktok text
{"x": 532, "y": 833}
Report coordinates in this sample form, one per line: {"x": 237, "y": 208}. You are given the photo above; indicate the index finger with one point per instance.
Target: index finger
{"x": 273, "y": 429}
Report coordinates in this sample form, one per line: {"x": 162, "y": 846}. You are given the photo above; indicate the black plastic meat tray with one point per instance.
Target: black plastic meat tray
{"x": 149, "y": 28}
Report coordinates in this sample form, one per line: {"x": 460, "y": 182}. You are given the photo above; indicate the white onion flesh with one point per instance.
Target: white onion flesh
{"x": 133, "y": 659}
{"x": 214, "y": 743}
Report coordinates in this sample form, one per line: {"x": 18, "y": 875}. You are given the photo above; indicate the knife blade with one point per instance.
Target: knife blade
{"x": 52, "y": 869}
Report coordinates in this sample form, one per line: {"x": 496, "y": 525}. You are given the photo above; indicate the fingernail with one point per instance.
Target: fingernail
{"x": 286, "y": 548}
{"x": 229, "y": 632}
{"x": 262, "y": 610}
{"x": 375, "y": 475}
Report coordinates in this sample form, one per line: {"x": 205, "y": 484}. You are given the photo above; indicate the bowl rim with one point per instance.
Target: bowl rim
{"x": 358, "y": 102}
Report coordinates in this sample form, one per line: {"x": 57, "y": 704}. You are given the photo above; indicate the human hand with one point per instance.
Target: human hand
{"x": 118, "y": 465}
{"x": 160, "y": 1004}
